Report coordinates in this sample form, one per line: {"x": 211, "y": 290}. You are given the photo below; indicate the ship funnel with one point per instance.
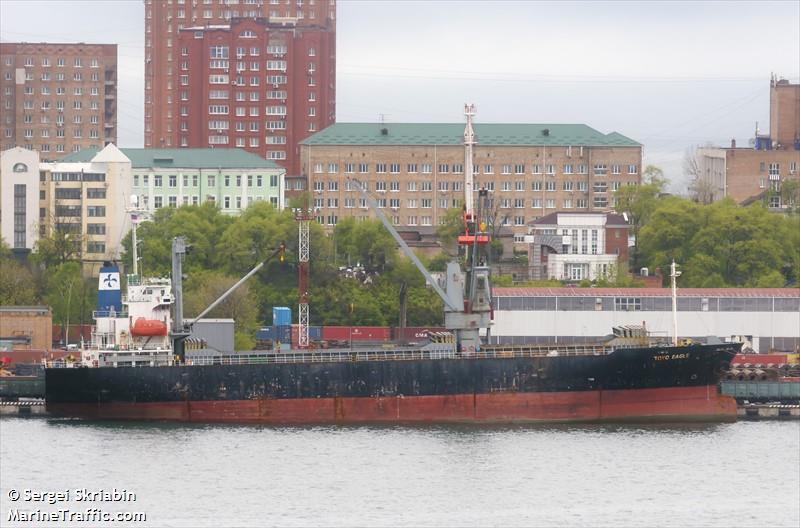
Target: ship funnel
{"x": 109, "y": 294}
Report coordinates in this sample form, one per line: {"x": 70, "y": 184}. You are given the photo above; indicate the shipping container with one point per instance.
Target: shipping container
{"x": 415, "y": 333}
{"x": 283, "y": 334}
{"x": 265, "y": 333}
{"x": 281, "y": 316}
{"x": 314, "y": 334}
{"x": 759, "y": 359}
{"x": 336, "y": 333}
{"x": 371, "y": 333}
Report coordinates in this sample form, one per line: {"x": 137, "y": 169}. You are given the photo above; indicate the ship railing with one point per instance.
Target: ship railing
{"x": 109, "y": 313}
{"x": 398, "y": 354}
{"x": 500, "y": 351}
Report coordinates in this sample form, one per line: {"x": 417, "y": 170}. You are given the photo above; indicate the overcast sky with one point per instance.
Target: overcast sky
{"x": 669, "y": 75}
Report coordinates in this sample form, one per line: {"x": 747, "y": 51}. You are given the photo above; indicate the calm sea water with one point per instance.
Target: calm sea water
{"x": 744, "y": 474}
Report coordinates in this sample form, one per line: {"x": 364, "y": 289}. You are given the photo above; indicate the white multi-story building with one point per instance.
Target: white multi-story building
{"x": 231, "y": 178}
{"x": 769, "y": 318}
{"x": 19, "y": 198}
{"x": 87, "y": 193}
{"x": 575, "y": 246}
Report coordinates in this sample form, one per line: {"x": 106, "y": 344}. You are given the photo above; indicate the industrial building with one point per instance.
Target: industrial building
{"x": 762, "y": 170}
{"x": 767, "y": 319}
{"x": 25, "y": 328}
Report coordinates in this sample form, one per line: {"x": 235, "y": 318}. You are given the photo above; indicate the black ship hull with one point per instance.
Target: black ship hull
{"x": 664, "y": 383}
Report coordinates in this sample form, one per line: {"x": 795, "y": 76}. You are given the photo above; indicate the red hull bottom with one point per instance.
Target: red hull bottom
{"x": 658, "y": 405}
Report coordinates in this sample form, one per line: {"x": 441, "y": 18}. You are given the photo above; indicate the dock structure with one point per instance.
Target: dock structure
{"x": 761, "y": 411}
{"x": 23, "y": 408}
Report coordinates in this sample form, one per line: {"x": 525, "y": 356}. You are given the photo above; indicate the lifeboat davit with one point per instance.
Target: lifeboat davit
{"x": 149, "y": 327}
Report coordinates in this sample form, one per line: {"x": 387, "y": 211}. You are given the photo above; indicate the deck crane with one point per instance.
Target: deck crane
{"x": 181, "y": 328}
{"x": 466, "y": 295}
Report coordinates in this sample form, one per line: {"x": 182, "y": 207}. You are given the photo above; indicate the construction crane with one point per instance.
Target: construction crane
{"x": 303, "y": 217}
{"x": 467, "y": 294}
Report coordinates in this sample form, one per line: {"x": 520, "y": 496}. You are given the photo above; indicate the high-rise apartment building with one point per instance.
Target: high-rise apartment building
{"x": 58, "y": 98}
{"x": 253, "y": 74}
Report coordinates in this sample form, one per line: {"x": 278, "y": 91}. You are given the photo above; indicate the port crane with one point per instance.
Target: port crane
{"x": 466, "y": 294}
{"x": 181, "y": 329}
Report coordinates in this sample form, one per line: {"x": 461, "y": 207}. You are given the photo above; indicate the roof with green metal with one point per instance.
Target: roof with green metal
{"x": 186, "y": 158}
{"x": 512, "y": 134}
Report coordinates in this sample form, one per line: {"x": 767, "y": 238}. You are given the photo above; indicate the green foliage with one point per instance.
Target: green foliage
{"x": 618, "y": 278}
{"x": 502, "y": 281}
{"x": 70, "y": 295}
{"x": 439, "y": 262}
{"x": 17, "y": 284}
{"x": 638, "y": 202}
{"x": 452, "y": 226}
{"x": 56, "y": 248}
{"x": 722, "y": 244}
{"x": 204, "y": 287}
{"x": 202, "y": 225}
{"x": 366, "y": 242}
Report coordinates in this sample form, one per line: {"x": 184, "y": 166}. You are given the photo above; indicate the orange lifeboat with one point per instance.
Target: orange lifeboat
{"x": 148, "y": 327}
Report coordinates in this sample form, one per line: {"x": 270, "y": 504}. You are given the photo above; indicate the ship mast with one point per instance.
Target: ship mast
{"x": 469, "y": 142}
{"x": 674, "y": 274}
{"x": 137, "y": 214}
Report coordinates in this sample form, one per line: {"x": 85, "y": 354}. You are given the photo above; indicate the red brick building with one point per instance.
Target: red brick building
{"x": 760, "y": 171}
{"x": 254, "y": 74}
{"x": 58, "y": 98}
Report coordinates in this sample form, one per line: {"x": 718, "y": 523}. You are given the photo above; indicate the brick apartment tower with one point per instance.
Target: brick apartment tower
{"x": 58, "y": 98}
{"x": 255, "y": 74}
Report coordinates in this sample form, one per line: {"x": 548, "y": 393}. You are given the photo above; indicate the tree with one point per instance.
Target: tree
{"x": 367, "y": 242}
{"x": 638, "y": 202}
{"x": 63, "y": 240}
{"x": 722, "y": 244}
{"x": 452, "y": 225}
{"x": 69, "y": 294}
{"x": 17, "y": 285}
{"x": 701, "y": 189}
{"x": 203, "y": 288}
{"x": 790, "y": 194}
{"x": 202, "y": 225}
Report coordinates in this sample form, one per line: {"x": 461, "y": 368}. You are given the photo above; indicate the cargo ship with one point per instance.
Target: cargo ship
{"x": 454, "y": 378}
{"x": 434, "y": 384}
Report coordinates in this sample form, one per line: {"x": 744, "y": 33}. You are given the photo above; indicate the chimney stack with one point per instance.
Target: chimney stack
{"x": 733, "y": 143}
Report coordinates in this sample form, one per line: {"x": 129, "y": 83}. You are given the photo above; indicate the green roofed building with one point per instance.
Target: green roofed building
{"x": 231, "y": 178}
{"x": 416, "y": 171}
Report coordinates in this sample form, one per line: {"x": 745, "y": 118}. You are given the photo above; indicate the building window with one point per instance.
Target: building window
{"x": 627, "y": 304}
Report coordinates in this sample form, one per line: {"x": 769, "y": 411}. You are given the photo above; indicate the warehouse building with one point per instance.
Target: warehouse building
{"x": 766, "y": 318}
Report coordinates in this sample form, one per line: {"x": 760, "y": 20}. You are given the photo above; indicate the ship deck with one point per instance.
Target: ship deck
{"x": 396, "y": 354}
